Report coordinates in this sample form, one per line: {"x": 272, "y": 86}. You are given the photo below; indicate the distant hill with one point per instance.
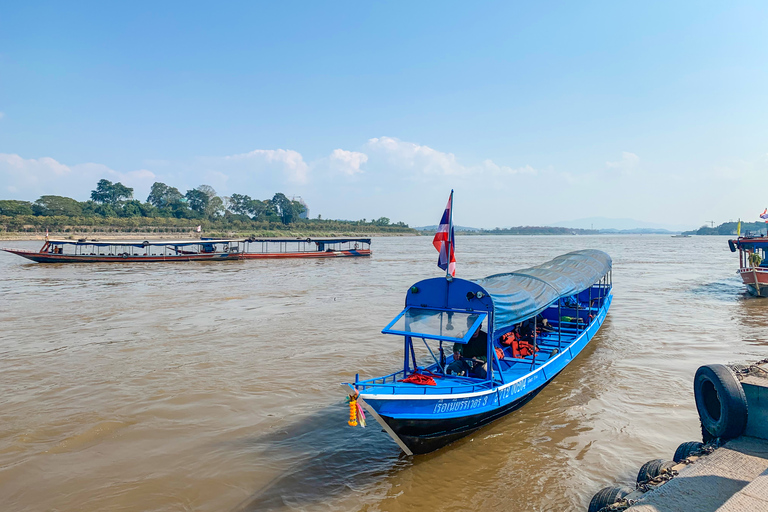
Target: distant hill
{"x": 519, "y": 230}
{"x": 639, "y": 231}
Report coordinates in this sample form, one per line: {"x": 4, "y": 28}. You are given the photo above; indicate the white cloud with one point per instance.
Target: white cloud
{"x": 429, "y": 161}
{"x": 348, "y": 162}
{"x": 628, "y": 163}
{"x": 493, "y": 167}
{"x": 29, "y": 172}
{"x": 414, "y": 156}
{"x": 2, "y": 115}
{"x": 291, "y": 162}
{"x": 41, "y": 176}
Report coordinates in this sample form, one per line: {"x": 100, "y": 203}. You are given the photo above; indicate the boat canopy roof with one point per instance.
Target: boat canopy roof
{"x": 327, "y": 240}
{"x": 524, "y": 293}
{"x": 752, "y": 243}
{"x": 142, "y": 243}
{"x": 146, "y": 243}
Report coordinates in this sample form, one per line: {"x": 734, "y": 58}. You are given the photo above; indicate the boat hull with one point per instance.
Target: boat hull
{"x": 756, "y": 281}
{"x": 423, "y": 423}
{"x": 44, "y": 257}
{"x": 324, "y": 254}
{"x": 424, "y": 436}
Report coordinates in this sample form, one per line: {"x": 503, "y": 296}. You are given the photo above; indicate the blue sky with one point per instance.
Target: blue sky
{"x": 535, "y": 112}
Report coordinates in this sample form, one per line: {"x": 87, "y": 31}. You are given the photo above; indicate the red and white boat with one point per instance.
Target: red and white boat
{"x": 753, "y": 266}
{"x": 205, "y": 249}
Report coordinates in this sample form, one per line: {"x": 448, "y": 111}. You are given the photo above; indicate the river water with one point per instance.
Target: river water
{"x": 215, "y": 386}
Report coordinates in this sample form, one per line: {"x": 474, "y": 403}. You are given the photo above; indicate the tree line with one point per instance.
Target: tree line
{"x": 115, "y": 200}
{"x": 730, "y": 228}
{"x": 113, "y": 203}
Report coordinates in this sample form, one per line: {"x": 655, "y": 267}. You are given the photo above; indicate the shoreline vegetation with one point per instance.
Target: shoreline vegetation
{"x": 730, "y": 228}
{"x": 112, "y": 212}
{"x": 519, "y": 230}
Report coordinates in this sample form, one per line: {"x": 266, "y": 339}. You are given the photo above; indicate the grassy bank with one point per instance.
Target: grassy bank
{"x": 34, "y": 227}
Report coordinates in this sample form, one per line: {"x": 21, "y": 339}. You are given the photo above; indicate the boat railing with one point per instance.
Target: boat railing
{"x": 390, "y": 382}
{"x": 425, "y": 390}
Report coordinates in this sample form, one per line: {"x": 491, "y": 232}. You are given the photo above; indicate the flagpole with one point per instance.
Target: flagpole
{"x": 450, "y": 238}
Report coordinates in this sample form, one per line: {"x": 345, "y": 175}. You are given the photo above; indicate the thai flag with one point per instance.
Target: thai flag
{"x": 444, "y": 240}
{"x": 764, "y": 215}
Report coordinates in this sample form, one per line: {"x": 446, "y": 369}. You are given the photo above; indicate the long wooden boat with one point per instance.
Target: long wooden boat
{"x": 323, "y": 247}
{"x": 753, "y": 266}
{"x": 428, "y": 404}
{"x": 204, "y": 249}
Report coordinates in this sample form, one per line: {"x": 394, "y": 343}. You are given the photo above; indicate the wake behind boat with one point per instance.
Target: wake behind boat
{"x": 205, "y": 249}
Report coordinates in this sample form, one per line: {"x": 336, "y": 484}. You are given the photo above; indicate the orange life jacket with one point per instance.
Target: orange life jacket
{"x": 520, "y": 348}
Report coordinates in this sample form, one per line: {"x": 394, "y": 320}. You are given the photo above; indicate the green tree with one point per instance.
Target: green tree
{"x": 57, "y": 205}
{"x": 197, "y": 200}
{"x": 180, "y": 209}
{"x": 131, "y": 208}
{"x": 207, "y": 190}
{"x": 106, "y": 210}
{"x": 215, "y": 208}
{"x": 163, "y": 196}
{"x": 285, "y": 208}
{"x": 147, "y": 210}
{"x": 240, "y": 204}
{"x": 89, "y": 208}
{"x": 12, "y": 208}
{"x": 298, "y": 209}
{"x": 382, "y": 221}
{"x": 111, "y": 193}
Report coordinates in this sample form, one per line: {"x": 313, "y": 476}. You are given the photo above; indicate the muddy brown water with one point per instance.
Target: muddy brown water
{"x": 215, "y": 386}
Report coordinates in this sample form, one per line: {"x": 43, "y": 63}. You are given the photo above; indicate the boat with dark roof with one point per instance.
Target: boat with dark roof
{"x": 753, "y": 265}
{"x": 528, "y": 325}
{"x": 204, "y": 249}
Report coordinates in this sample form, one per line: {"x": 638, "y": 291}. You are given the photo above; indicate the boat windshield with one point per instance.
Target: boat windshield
{"x": 455, "y": 326}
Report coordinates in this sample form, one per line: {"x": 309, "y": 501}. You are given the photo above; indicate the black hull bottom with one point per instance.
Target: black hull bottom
{"x": 753, "y": 290}
{"x": 424, "y": 436}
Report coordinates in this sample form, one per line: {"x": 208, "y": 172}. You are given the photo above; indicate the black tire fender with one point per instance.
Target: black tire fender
{"x": 652, "y": 469}
{"x": 686, "y": 449}
{"x": 607, "y": 496}
{"x": 125, "y": 255}
{"x": 720, "y": 401}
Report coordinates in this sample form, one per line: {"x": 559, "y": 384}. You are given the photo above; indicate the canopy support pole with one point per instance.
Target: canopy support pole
{"x": 405, "y": 355}
{"x": 559, "y": 323}
{"x": 535, "y": 345}
{"x": 498, "y": 365}
{"x": 577, "y": 314}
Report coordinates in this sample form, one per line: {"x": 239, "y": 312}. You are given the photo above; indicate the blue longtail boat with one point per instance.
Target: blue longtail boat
{"x": 486, "y": 347}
